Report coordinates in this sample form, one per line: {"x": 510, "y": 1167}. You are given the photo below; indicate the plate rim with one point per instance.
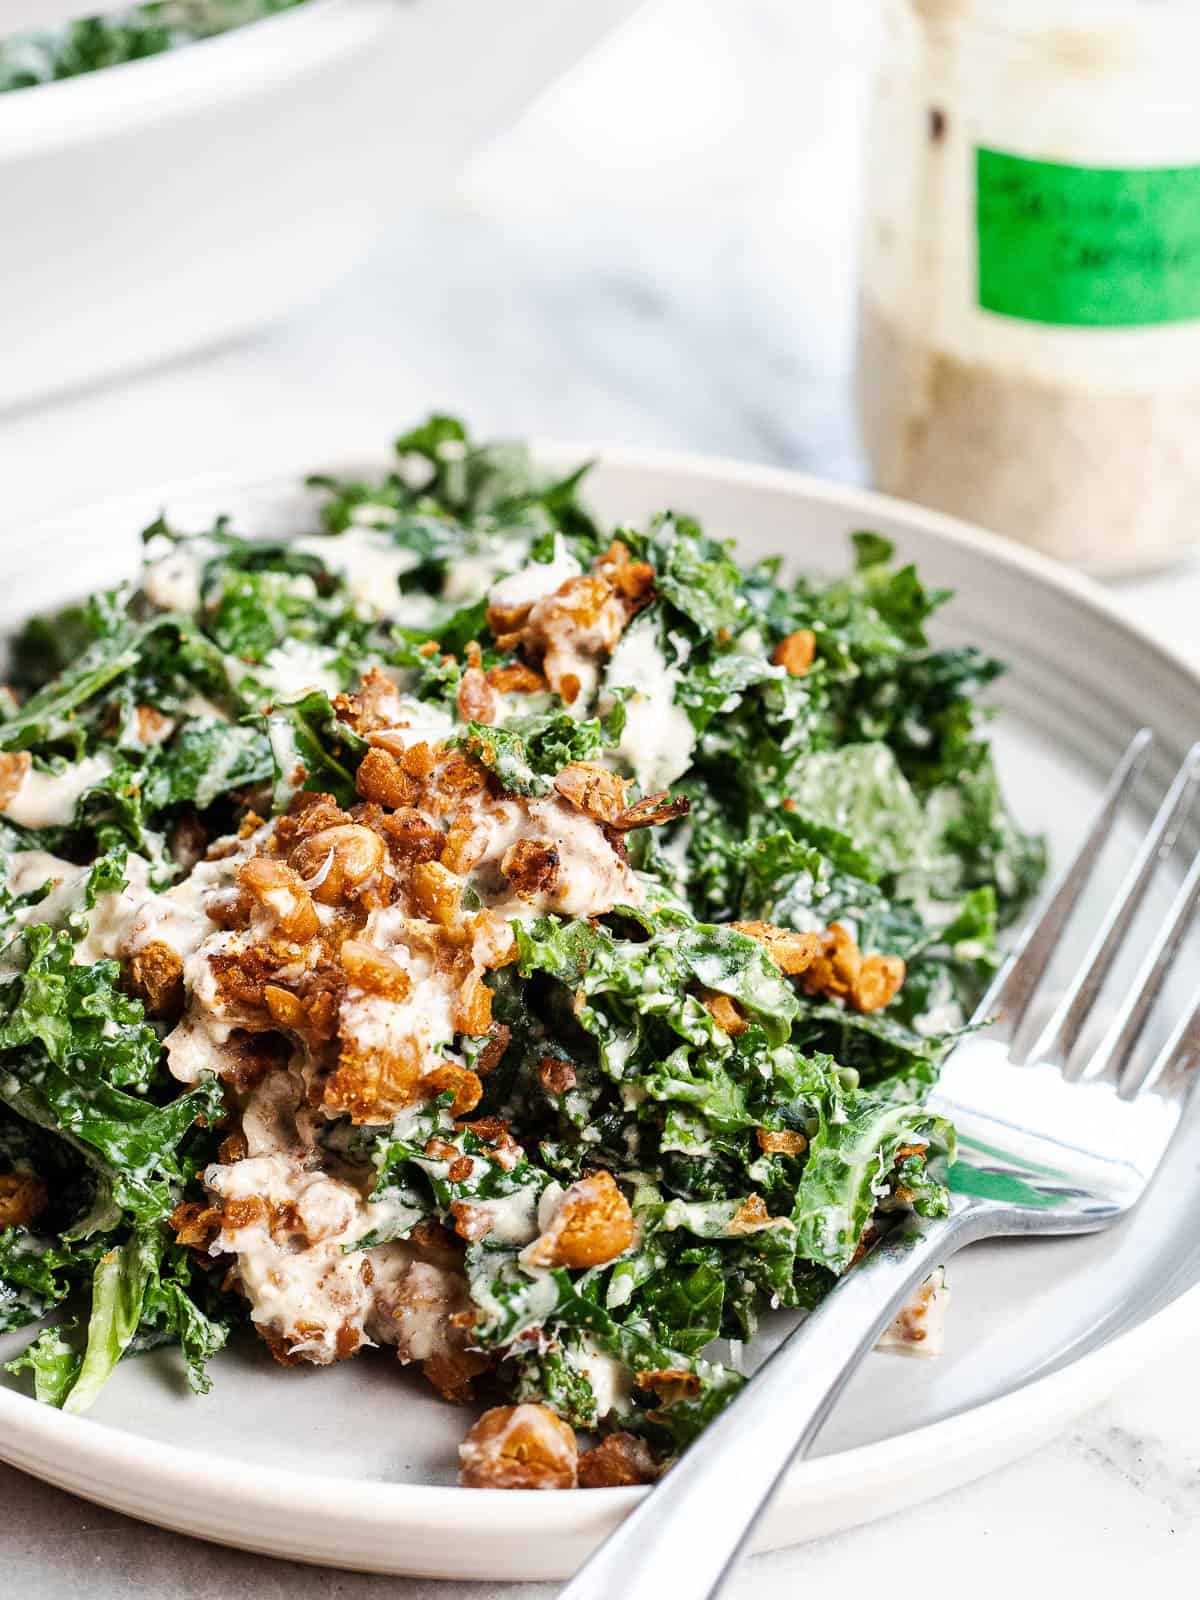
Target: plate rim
{"x": 64, "y": 1449}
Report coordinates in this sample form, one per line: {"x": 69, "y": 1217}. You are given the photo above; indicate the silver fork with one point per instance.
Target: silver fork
{"x": 1052, "y": 1140}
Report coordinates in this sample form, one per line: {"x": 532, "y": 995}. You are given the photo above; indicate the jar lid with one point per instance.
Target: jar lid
{"x": 1050, "y": 12}
{"x": 1081, "y": 33}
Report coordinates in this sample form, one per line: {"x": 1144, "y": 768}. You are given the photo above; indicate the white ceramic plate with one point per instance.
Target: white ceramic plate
{"x": 353, "y": 1466}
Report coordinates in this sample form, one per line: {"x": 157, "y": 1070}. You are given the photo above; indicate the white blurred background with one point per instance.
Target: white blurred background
{"x": 660, "y": 252}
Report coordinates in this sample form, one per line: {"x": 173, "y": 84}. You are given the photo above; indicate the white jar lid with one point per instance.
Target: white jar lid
{"x": 1048, "y": 13}
{"x": 1022, "y": 16}
{"x": 1080, "y": 36}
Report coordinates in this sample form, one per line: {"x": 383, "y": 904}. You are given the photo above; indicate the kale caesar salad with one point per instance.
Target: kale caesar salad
{"x": 517, "y": 944}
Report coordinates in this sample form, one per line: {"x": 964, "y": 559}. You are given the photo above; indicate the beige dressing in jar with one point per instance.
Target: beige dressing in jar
{"x": 1029, "y": 325}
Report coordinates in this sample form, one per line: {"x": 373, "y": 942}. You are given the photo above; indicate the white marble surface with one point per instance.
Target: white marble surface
{"x": 660, "y": 254}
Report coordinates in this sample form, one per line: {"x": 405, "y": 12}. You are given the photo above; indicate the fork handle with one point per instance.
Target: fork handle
{"x": 686, "y": 1534}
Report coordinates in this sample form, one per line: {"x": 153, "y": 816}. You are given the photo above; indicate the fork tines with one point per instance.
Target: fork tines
{"x": 1059, "y": 1039}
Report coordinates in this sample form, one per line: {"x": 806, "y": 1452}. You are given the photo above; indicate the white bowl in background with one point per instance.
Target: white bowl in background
{"x": 166, "y": 204}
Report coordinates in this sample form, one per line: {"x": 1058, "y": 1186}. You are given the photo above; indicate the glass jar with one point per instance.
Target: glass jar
{"x": 1029, "y": 316}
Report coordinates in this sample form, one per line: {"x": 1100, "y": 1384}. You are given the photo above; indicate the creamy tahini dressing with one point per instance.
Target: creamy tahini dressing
{"x": 302, "y": 1285}
{"x": 513, "y": 1217}
{"x": 121, "y": 919}
{"x": 415, "y": 1315}
{"x": 471, "y": 577}
{"x": 611, "y": 1381}
{"x": 424, "y": 1021}
{"x": 48, "y": 799}
{"x": 658, "y": 738}
{"x": 30, "y": 869}
{"x": 537, "y": 579}
{"x": 294, "y": 667}
{"x": 173, "y": 581}
{"x": 271, "y": 1123}
{"x": 296, "y": 1264}
{"x": 591, "y": 877}
{"x": 421, "y": 1026}
{"x": 577, "y": 651}
{"x": 370, "y": 563}
{"x": 416, "y": 722}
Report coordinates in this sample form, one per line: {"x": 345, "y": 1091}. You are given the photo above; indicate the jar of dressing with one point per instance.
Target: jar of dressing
{"x": 1029, "y": 331}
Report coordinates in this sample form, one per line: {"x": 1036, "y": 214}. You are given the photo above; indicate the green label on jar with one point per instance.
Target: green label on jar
{"x": 1092, "y": 247}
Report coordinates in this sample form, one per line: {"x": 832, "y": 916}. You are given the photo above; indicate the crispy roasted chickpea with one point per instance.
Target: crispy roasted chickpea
{"x": 518, "y": 1447}
{"x": 879, "y": 981}
{"x": 337, "y": 862}
{"x": 724, "y": 1011}
{"x": 593, "y": 789}
{"x": 616, "y": 1462}
{"x": 461, "y": 1081}
{"x": 532, "y": 867}
{"x": 374, "y": 970}
{"x": 473, "y": 1009}
{"x": 593, "y": 1224}
{"x": 841, "y": 972}
{"x": 795, "y": 653}
{"x": 280, "y": 892}
{"x": 381, "y": 778}
{"x": 14, "y": 768}
{"x": 155, "y": 974}
{"x": 782, "y": 1142}
{"x": 436, "y": 892}
{"x": 477, "y": 700}
{"x": 791, "y": 952}
{"x": 22, "y": 1197}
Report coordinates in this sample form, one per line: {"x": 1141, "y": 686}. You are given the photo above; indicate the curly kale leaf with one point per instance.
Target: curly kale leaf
{"x": 550, "y": 1377}
{"x": 849, "y": 1170}
{"x": 77, "y": 1013}
{"x": 860, "y": 792}
{"x": 54, "y": 714}
{"x": 36, "y": 1274}
{"x": 144, "y": 1292}
{"x": 118, "y": 1291}
{"x": 311, "y": 749}
{"x": 207, "y": 758}
{"x": 715, "y": 682}
{"x": 526, "y": 753}
{"x": 54, "y": 1363}
{"x": 68, "y": 1037}
{"x": 180, "y": 1306}
{"x": 505, "y": 752}
{"x": 685, "y": 1300}
{"x": 443, "y": 475}
{"x": 630, "y": 981}
{"x": 46, "y": 715}
{"x": 697, "y": 575}
{"x": 979, "y": 832}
